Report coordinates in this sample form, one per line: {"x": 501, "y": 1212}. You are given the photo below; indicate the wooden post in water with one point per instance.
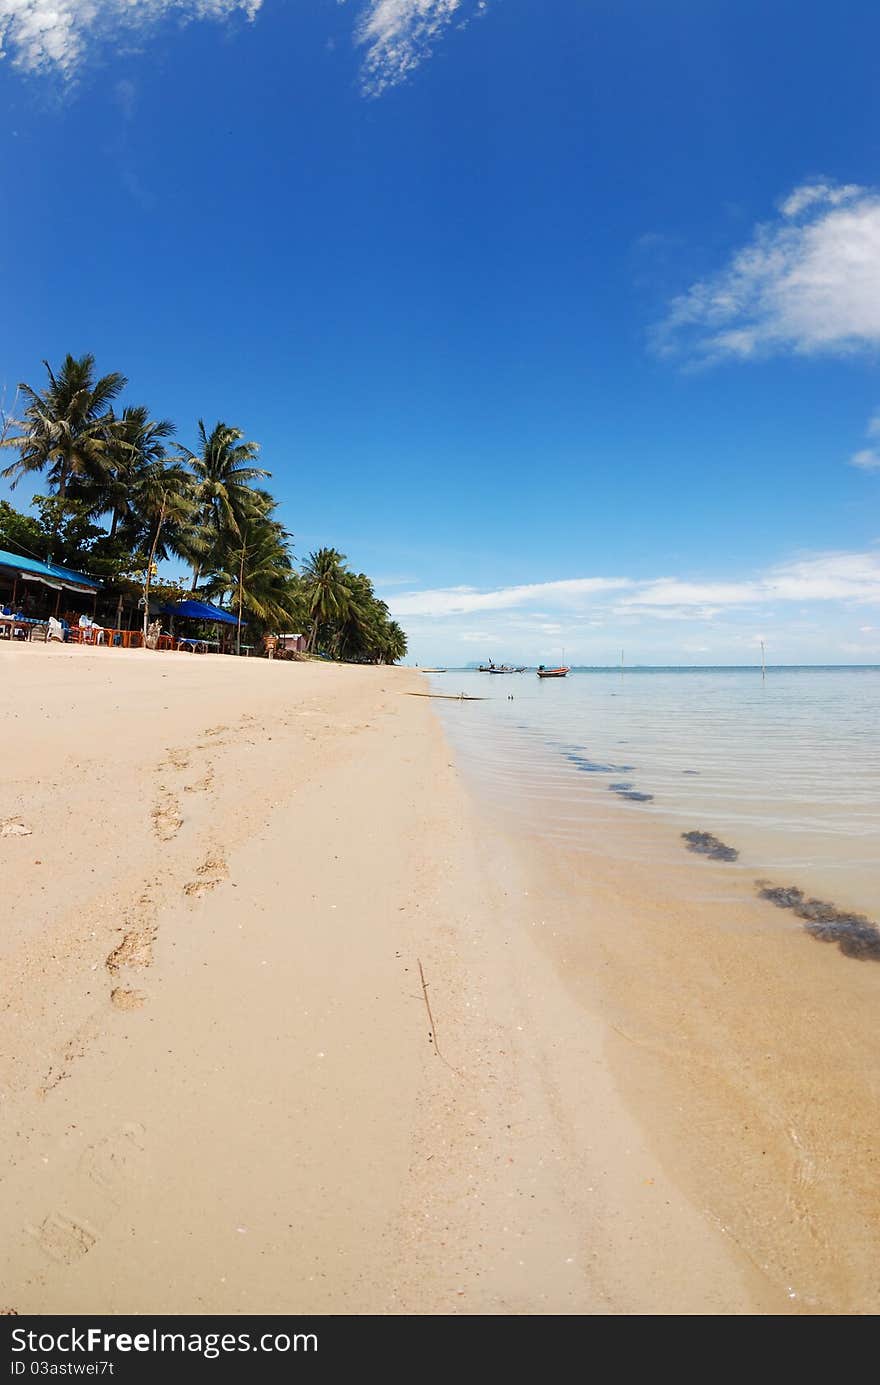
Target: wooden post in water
{"x": 763, "y": 665}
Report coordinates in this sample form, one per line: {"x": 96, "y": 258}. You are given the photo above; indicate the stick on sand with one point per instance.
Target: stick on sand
{"x": 432, "y": 1032}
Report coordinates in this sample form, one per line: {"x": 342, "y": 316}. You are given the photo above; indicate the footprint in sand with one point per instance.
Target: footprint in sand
{"x": 126, "y": 998}
{"x": 113, "y": 1163}
{"x": 178, "y": 758}
{"x": 166, "y": 816}
{"x": 106, "y": 1170}
{"x": 212, "y": 872}
{"x": 64, "y": 1238}
{"x": 135, "y": 950}
{"x": 75, "y": 1048}
{"x": 201, "y": 785}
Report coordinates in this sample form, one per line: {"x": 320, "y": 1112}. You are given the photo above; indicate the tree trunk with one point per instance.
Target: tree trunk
{"x": 148, "y": 573}
{"x": 240, "y": 585}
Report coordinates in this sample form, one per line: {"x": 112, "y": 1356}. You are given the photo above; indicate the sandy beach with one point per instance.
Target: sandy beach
{"x": 221, "y": 1092}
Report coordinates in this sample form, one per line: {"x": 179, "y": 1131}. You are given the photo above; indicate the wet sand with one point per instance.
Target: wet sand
{"x": 221, "y": 1091}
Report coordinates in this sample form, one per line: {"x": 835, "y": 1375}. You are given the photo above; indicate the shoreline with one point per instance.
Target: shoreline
{"x": 223, "y": 1096}
{"x": 726, "y": 1037}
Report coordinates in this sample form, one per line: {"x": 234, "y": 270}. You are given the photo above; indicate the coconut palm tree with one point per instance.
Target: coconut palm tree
{"x": 256, "y": 574}
{"x": 69, "y": 427}
{"x": 326, "y": 591}
{"x": 224, "y": 468}
{"x": 162, "y": 501}
{"x": 393, "y": 644}
{"x": 138, "y": 442}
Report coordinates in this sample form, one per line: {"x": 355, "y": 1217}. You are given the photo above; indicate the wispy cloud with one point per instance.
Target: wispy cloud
{"x": 868, "y": 458}
{"x": 398, "y": 35}
{"x": 852, "y": 577}
{"x": 57, "y": 36}
{"x": 457, "y": 601}
{"x": 42, "y": 35}
{"x": 806, "y": 608}
{"x": 806, "y": 282}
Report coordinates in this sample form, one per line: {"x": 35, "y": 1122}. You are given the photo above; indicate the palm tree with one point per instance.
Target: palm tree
{"x": 69, "y": 427}
{"x": 256, "y": 573}
{"x": 356, "y": 631}
{"x": 161, "y": 499}
{"x": 139, "y": 442}
{"x": 394, "y": 644}
{"x": 326, "y": 590}
{"x": 224, "y": 468}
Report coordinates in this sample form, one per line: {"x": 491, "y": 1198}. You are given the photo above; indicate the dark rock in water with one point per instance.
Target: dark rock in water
{"x": 627, "y": 791}
{"x": 690, "y": 771}
{"x": 707, "y": 845}
{"x": 589, "y": 766}
{"x": 855, "y": 934}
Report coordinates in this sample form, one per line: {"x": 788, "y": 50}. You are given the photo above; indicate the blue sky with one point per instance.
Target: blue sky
{"x": 561, "y": 320}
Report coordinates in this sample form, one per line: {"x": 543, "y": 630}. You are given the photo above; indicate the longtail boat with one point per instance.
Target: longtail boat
{"x": 553, "y": 672}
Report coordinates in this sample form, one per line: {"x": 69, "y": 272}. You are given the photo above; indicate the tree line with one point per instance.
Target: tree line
{"x": 124, "y": 495}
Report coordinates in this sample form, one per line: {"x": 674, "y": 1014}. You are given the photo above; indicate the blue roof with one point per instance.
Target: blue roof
{"x": 58, "y": 574}
{"x": 200, "y": 610}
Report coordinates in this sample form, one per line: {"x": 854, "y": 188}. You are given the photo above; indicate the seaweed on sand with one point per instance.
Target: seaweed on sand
{"x": 627, "y": 791}
{"x": 855, "y": 934}
{"x": 594, "y": 766}
{"x": 707, "y": 845}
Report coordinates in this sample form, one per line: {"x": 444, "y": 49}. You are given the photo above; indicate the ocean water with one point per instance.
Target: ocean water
{"x": 786, "y": 769}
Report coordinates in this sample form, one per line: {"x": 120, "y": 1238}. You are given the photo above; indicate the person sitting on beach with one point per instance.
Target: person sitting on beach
{"x": 92, "y": 633}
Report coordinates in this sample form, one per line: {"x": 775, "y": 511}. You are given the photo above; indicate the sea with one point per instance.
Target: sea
{"x": 782, "y": 767}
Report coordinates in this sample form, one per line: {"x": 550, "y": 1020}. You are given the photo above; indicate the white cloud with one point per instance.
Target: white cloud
{"x": 41, "y": 35}
{"x": 56, "y": 36}
{"x": 868, "y": 459}
{"x": 456, "y": 601}
{"x": 848, "y": 577}
{"x": 813, "y": 194}
{"x": 397, "y": 35}
{"x": 808, "y": 282}
{"x": 808, "y": 608}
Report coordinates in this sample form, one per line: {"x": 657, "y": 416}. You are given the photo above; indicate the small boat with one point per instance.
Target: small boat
{"x": 503, "y": 668}
{"x": 553, "y": 672}
{"x": 433, "y": 670}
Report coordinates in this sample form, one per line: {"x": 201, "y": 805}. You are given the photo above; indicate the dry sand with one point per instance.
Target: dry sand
{"x": 219, "y": 1090}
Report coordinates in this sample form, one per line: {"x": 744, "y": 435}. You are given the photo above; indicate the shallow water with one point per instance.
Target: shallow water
{"x": 786, "y": 771}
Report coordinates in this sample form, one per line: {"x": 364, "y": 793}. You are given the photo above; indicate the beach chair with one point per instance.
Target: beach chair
{"x": 39, "y": 633}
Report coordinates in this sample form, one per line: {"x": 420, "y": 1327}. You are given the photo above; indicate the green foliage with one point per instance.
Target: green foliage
{"x": 347, "y": 620}
{"x": 68, "y": 428}
{"x": 21, "y": 533}
{"x": 157, "y": 500}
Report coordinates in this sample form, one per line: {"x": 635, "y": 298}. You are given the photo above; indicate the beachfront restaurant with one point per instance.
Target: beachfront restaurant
{"x": 31, "y": 592}
{"x": 196, "y": 615}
